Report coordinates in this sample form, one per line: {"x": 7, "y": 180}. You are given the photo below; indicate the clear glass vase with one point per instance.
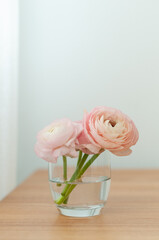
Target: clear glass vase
{"x": 80, "y": 191}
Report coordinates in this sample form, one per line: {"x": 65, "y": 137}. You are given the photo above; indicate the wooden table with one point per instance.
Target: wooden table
{"x": 131, "y": 213}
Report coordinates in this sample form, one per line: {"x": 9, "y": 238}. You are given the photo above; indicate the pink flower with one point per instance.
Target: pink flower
{"x": 58, "y": 139}
{"x": 107, "y": 128}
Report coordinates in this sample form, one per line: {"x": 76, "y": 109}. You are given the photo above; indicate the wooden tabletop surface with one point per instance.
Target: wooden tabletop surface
{"x": 131, "y": 213}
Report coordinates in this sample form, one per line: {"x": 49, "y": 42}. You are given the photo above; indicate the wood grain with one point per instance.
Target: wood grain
{"x": 131, "y": 213}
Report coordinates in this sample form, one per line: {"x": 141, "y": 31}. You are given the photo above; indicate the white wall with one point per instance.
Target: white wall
{"x": 8, "y": 95}
{"x": 75, "y": 55}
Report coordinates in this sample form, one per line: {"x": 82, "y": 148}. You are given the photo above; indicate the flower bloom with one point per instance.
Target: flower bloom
{"x": 107, "y": 128}
{"x": 58, "y": 139}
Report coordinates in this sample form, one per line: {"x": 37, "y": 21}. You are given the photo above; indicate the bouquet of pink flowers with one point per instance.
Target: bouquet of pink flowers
{"x": 104, "y": 128}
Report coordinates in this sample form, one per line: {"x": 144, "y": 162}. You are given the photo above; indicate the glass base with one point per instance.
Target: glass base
{"x": 80, "y": 211}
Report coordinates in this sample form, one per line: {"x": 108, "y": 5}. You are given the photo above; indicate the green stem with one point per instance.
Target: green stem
{"x": 74, "y": 177}
{"x": 69, "y": 187}
{"x": 78, "y": 161}
{"x": 86, "y": 166}
{"x": 64, "y": 168}
{"x": 66, "y": 200}
{"x": 63, "y": 198}
{"x": 58, "y": 184}
{"x": 79, "y": 157}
